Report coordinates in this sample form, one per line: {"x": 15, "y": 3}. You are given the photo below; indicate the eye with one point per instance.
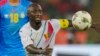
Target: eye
{"x": 32, "y": 13}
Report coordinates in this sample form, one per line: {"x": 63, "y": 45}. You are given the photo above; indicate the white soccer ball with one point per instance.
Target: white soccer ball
{"x": 81, "y": 20}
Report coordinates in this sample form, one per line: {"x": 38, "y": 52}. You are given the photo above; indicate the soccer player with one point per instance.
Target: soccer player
{"x": 38, "y": 35}
{"x": 13, "y": 15}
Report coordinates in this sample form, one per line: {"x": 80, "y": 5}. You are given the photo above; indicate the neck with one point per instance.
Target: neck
{"x": 35, "y": 25}
{"x": 14, "y": 2}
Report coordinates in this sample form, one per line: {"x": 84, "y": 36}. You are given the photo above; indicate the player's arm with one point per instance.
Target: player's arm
{"x": 65, "y": 23}
{"x": 96, "y": 26}
{"x": 60, "y": 24}
{"x": 28, "y": 43}
{"x": 33, "y": 50}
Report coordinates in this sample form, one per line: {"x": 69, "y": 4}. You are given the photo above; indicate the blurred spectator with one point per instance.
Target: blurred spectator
{"x": 61, "y": 37}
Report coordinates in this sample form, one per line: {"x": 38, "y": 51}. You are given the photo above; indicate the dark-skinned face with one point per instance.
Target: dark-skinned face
{"x": 35, "y": 13}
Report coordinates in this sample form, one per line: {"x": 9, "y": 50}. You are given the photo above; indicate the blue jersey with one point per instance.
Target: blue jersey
{"x": 12, "y": 19}
{"x": 25, "y": 3}
{"x": 1, "y": 39}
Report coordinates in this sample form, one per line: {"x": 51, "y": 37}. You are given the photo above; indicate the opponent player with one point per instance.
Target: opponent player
{"x": 38, "y": 35}
{"x": 2, "y": 2}
{"x": 1, "y": 39}
{"x": 13, "y": 17}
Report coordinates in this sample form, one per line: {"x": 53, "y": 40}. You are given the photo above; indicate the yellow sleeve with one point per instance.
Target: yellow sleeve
{"x": 64, "y": 23}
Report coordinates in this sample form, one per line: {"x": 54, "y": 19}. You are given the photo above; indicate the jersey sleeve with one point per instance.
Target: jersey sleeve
{"x": 64, "y": 23}
{"x": 59, "y": 23}
{"x": 25, "y": 36}
{"x": 55, "y": 23}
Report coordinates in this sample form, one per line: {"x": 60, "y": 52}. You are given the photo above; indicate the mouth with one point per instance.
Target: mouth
{"x": 38, "y": 20}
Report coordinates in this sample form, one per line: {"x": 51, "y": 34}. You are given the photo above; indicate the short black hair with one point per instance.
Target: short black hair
{"x": 34, "y": 1}
{"x": 34, "y": 5}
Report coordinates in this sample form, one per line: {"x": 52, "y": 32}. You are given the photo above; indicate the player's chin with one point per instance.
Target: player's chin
{"x": 38, "y": 21}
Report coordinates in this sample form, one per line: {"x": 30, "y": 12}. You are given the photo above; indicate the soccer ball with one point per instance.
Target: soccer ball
{"x": 81, "y": 20}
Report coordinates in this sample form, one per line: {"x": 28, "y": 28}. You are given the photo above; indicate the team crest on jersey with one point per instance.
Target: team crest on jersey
{"x": 22, "y": 15}
{"x": 6, "y": 16}
{"x": 49, "y": 32}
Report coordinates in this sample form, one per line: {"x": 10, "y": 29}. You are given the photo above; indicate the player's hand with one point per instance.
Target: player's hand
{"x": 48, "y": 51}
{"x": 96, "y": 26}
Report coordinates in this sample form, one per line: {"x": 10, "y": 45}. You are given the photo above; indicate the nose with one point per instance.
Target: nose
{"x": 38, "y": 14}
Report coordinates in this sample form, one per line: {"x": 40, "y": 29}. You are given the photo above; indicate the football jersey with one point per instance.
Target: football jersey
{"x": 1, "y": 39}
{"x": 12, "y": 19}
{"x": 26, "y": 3}
{"x": 42, "y": 37}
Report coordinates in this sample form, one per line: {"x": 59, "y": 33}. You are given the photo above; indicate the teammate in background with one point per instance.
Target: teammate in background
{"x": 38, "y": 36}
{"x": 13, "y": 15}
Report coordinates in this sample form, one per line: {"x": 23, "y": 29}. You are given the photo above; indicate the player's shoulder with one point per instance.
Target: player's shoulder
{"x": 26, "y": 26}
{"x": 53, "y": 20}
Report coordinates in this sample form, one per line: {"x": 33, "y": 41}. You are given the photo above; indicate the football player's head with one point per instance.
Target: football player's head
{"x": 14, "y": 1}
{"x": 35, "y": 12}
